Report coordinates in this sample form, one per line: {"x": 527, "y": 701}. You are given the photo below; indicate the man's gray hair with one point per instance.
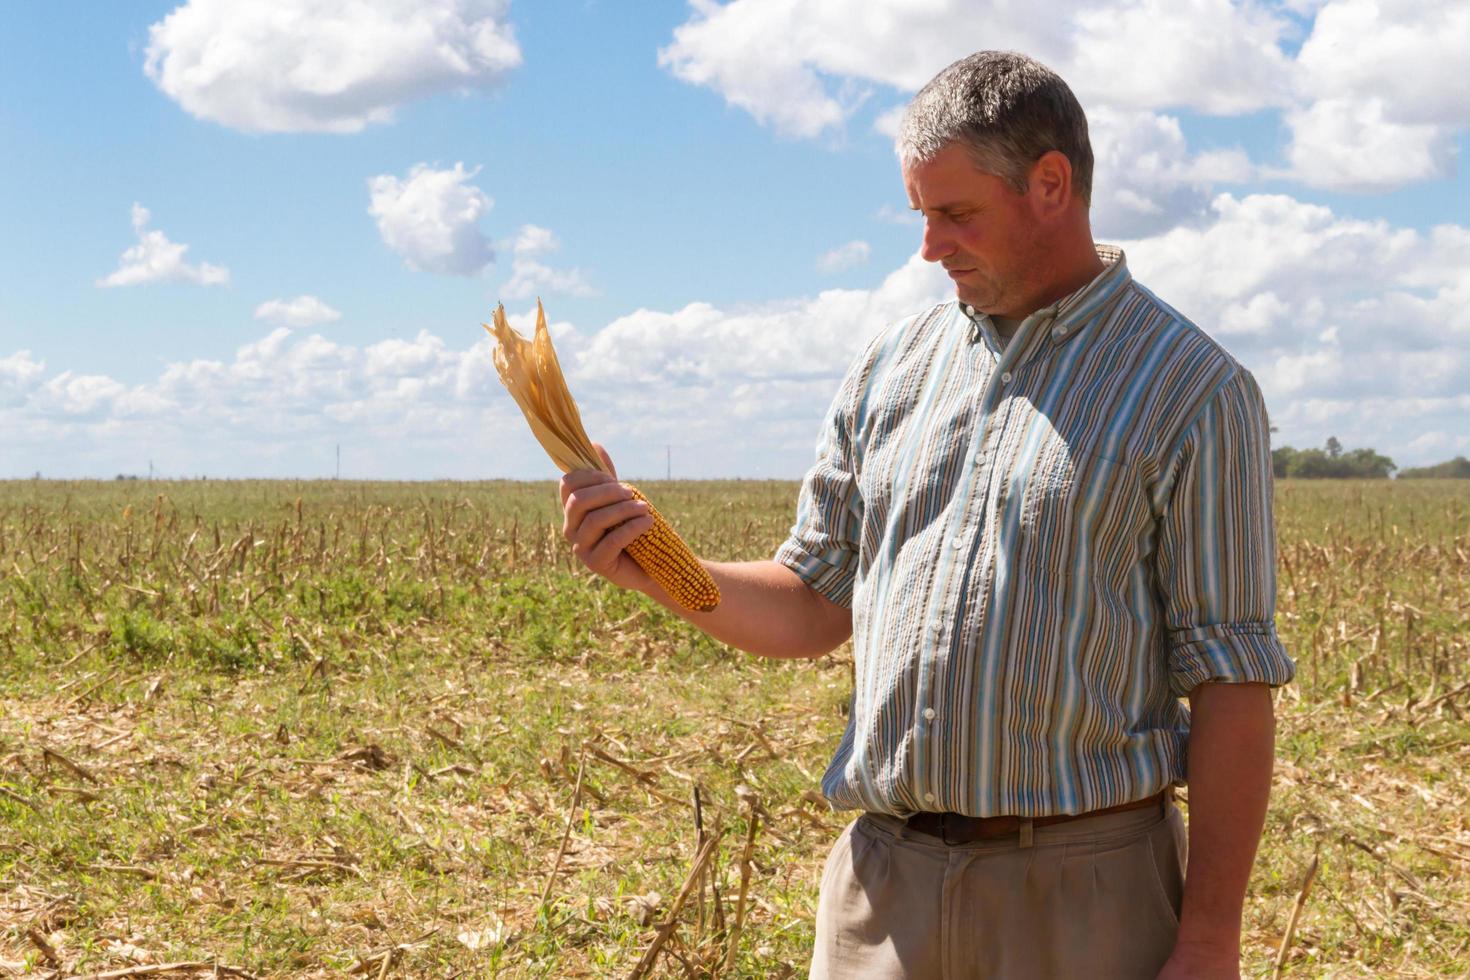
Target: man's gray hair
{"x": 1007, "y": 110}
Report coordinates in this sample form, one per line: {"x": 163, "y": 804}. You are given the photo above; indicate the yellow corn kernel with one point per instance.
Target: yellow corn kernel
{"x": 661, "y": 553}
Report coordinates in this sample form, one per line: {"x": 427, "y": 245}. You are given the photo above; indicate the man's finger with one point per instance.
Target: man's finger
{"x": 614, "y": 541}
{"x": 606, "y": 459}
{"x": 599, "y": 520}
{"x": 584, "y": 508}
{"x": 575, "y": 480}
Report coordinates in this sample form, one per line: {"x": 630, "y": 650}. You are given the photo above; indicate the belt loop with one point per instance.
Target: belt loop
{"x": 1026, "y": 831}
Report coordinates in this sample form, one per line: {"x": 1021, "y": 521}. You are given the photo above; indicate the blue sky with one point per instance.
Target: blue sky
{"x": 704, "y": 196}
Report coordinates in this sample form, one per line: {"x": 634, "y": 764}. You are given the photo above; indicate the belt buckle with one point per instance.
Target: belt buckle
{"x": 962, "y": 828}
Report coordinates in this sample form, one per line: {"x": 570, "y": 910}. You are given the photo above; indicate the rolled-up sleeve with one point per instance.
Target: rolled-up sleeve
{"x": 1217, "y": 552}
{"x": 822, "y": 547}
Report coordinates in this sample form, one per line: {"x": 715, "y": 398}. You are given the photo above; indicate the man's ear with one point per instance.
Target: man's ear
{"x": 1049, "y": 183}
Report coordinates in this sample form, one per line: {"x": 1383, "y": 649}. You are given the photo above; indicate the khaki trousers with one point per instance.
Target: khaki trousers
{"x": 1096, "y": 898}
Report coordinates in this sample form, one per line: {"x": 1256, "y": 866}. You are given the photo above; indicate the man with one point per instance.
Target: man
{"x": 1043, "y": 513}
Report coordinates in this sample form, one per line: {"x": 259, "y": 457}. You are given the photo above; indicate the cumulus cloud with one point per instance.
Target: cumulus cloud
{"x": 804, "y": 69}
{"x": 532, "y": 277}
{"x": 323, "y": 65}
{"x": 156, "y": 259}
{"x": 1360, "y": 118}
{"x": 739, "y": 391}
{"x": 844, "y": 257}
{"x": 19, "y": 373}
{"x": 1401, "y": 51}
{"x": 431, "y": 218}
{"x": 303, "y": 311}
{"x": 890, "y": 215}
{"x": 1355, "y": 145}
{"x": 1357, "y": 329}
{"x": 1145, "y": 178}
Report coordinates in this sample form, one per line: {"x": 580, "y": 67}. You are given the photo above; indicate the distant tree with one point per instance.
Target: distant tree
{"x": 1283, "y": 460}
{"x": 1317, "y": 464}
{"x": 1454, "y": 469}
{"x": 1334, "y": 448}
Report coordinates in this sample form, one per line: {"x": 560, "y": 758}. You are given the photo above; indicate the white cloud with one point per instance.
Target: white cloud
{"x": 1357, "y": 329}
{"x": 804, "y": 69}
{"x": 531, "y": 277}
{"x": 736, "y": 391}
{"x": 535, "y": 240}
{"x": 1404, "y": 52}
{"x": 78, "y": 395}
{"x": 799, "y": 340}
{"x": 1352, "y": 144}
{"x": 844, "y": 257}
{"x": 303, "y": 311}
{"x": 1220, "y": 57}
{"x": 325, "y": 65}
{"x": 798, "y": 70}
{"x": 156, "y": 259}
{"x": 1367, "y": 97}
{"x": 1145, "y": 179}
{"x": 431, "y": 218}
{"x": 888, "y": 214}
{"x": 19, "y": 373}
{"x": 424, "y": 405}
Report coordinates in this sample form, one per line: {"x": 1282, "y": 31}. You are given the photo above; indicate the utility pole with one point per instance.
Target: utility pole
{"x": 339, "y": 462}
{"x": 150, "y": 471}
{"x": 668, "y": 461}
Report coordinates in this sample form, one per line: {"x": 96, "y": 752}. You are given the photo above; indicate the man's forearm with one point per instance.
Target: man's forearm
{"x": 766, "y": 609}
{"x": 1231, "y": 749}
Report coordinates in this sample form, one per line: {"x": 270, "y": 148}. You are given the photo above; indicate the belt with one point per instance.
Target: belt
{"x": 956, "y": 828}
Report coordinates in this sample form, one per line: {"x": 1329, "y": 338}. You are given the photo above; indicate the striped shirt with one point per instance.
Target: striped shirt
{"x": 1045, "y": 544}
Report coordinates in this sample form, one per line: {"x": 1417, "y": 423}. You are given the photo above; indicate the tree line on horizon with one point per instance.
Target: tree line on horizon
{"x": 1331, "y": 462}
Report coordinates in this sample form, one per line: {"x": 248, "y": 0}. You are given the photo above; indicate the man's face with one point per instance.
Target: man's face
{"x": 981, "y": 231}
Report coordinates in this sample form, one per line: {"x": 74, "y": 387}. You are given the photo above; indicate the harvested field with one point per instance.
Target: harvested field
{"x": 314, "y": 729}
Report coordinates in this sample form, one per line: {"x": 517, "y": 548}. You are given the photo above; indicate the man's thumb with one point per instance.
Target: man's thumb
{"x": 606, "y": 459}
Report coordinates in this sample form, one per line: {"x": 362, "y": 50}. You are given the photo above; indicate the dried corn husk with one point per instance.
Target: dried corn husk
{"x": 532, "y": 374}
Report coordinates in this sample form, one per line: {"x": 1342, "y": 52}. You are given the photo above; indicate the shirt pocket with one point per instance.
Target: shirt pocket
{"x": 1067, "y": 492}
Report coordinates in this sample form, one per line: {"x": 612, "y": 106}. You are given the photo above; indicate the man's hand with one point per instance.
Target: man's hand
{"x": 1201, "y": 963}
{"x": 765, "y": 607}
{"x": 1231, "y": 747}
{"x": 600, "y": 519}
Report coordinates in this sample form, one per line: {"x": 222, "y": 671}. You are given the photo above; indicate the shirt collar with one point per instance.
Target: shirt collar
{"x": 1068, "y": 316}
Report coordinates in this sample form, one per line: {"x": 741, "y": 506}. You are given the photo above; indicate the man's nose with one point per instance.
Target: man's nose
{"x": 937, "y": 244}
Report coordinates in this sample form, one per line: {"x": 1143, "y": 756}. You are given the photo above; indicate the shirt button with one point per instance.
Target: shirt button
{"x": 958, "y": 542}
{"x": 1059, "y": 331}
{"x": 929, "y": 713}
{"x": 1005, "y": 378}
{"x": 928, "y": 797}
{"x": 935, "y": 625}
{"x": 979, "y": 457}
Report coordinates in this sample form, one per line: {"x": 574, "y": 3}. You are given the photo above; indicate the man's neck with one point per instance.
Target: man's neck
{"x": 1073, "y": 266}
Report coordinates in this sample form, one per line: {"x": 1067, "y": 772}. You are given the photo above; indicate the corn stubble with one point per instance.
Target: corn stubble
{"x": 532, "y": 374}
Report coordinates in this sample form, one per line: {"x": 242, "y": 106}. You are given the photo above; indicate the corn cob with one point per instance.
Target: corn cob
{"x": 661, "y": 553}
{"x": 532, "y": 374}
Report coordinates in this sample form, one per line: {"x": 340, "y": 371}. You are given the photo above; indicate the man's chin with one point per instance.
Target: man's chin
{"x": 977, "y": 303}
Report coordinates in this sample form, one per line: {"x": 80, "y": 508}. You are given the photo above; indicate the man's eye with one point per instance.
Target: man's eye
{"x": 962, "y": 217}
